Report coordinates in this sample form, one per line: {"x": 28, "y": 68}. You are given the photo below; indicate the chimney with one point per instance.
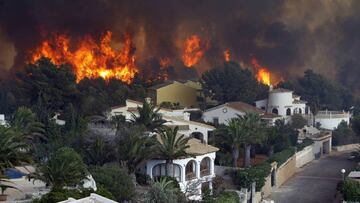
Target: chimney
{"x": 271, "y": 87}
{"x": 187, "y": 116}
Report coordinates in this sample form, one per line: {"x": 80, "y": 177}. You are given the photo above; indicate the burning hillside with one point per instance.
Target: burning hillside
{"x": 90, "y": 58}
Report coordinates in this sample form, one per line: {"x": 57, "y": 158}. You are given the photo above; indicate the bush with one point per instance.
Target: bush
{"x": 57, "y": 195}
{"x": 116, "y": 180}
{"x": 142, "y": 179}
{"x": 351, "y": 190}
{"x": 228, "y": 197}
{"x": 306, "y": 142}
{"x": 283, "y": 156}
{"x": 245, "y": 177}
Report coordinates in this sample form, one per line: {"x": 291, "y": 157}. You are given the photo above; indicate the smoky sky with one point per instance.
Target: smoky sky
{"x": 288, "y": 37}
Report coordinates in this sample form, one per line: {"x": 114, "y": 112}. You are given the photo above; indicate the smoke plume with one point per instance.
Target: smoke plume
{"x": 285, "y": 36}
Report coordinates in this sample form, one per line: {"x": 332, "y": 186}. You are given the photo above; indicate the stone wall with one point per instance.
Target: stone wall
{"x": 346, "y": 147}
{"x": 305, "y": 156}
{"x": 285, "y": 171}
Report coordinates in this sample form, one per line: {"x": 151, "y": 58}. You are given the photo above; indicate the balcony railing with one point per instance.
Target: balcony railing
{"x": 205, "y": 172}
{"x": 190, "y": 175}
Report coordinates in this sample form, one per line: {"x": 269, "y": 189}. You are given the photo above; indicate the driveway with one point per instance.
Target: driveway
{"x": 316, "y": 182}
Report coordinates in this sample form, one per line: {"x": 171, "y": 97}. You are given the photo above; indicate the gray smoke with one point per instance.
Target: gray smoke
{"x": 286, "y": 36}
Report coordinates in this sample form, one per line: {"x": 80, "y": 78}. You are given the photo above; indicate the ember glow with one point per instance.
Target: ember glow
{"x": 89, "y": 58}
{"x": 227, "y": 55}
{"x": 194, "y": 50}
{"x": 262, "y": 75}
{"x": 165, "y": 62}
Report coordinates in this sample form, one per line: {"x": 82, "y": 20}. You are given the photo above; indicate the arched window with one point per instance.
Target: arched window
{"x": 275, "y": 111}
{"x": 190, "y": 170}
{"x": 198, "y": 135}
{"x": 160, "y": 170}
{"x": 288, "y": 111}
{"x": 300, "y": 111}
{"x": 205, "y": 167}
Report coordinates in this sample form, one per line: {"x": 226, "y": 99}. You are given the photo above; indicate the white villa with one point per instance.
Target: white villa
{"x": 330, "y": 120}
{"x": 193, "y": 173}
{"x": 284, "y": 103}
{"x": 223, "y": 113}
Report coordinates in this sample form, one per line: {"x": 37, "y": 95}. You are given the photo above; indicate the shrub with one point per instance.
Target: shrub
{"x": 228, "y": 197}
{"x": 116, "y": 180}
{"x": 142, "y": 179}
{"x": 351, "y": 190}
{"x": 243, "y": 178}
{"x": 306, "y": 142}
{"x": 283, "y": 156}
{"x": 163, "y": 191}
{"x": 57, "y": 195}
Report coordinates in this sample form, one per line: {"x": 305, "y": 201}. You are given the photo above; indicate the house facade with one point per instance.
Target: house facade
{"x": 192, "y": 173}
{"x": 284, "y": 103}
{"x": 330, "y": 120}
{"x": 223, "y": 113}
{"x": 183, "y": 92}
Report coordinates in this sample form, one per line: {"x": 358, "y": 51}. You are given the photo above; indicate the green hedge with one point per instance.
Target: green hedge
{"x": 282, "y": 157}
{"x": 228, "y": 197}
{"x": 306, "y": 142}
{"x": 244, "y": 177}
{"x": 351, "y": 190}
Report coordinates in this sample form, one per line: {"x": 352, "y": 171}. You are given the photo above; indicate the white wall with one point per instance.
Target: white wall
{"x": 305, "y": 156}
{"x": 331, "y": 123}
{"x": 281, "y": 101}
{"x": 182, "y": 163}
{"x": 218, "y": 112}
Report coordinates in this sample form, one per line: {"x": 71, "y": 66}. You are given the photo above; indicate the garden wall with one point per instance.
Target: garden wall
{"x": 346, "y": 147}
{"x": 304, "y": 156}
{"x": 285, "y": 171}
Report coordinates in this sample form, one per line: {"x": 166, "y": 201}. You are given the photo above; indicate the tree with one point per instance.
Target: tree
{"x": 56, "y": 84}
{"x": 116, "y": 180}
{"x": 64, "y": 168}
{"x": 297, "y": 121}
{"x": 13, "y": 151}
{"x": 355, "y": 124}
{"x": 231, "y": 82}
{"x": 171, "y": 146}
{"x": 163, "y": 191}
{"x": 24, "y": 123}
{"x": 148, "y": 116}
{"x": 232, "y": 135}
{"x": 134, "y": 147}
{"x": 244, "y": 131}
{"x": 320, "y": 92}
{"x": 99, "y": 151}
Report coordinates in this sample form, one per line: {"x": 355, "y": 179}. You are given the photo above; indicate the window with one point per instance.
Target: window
{"x": 160, "y": 170}
{"x": 216, "y": 120}
{"x": 288, "y": 111}
{"x": 190, "y": 170}
{"x": 300, "y": 111}
{"x": 205, "y": 167}
{"x": 275, "y": 111}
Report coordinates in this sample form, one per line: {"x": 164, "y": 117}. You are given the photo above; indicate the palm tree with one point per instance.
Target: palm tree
{"x": 64, "y": 168}
{"x": 232, "y": 135}
{"x": 162, "y": 191}
{"x": 148, "y": 116}
{"x": 243, "y": 131}
{"x": 24, "y": 123}
{"x": 171, "y": 146}
{"x": 12, "y": 150}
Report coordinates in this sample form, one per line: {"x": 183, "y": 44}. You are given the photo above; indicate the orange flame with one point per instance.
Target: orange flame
{"x": 227, "y": 55}
{"x": 262, "y": 75}
{"x": 90, "y": 59}
{"x": 194, "y": 50}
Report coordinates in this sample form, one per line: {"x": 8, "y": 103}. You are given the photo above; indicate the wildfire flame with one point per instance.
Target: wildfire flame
{"x": 227, "y": 55}
{"x": 262, "y": 75}
{"x": 91, "y": 59}
{"x": 194, "y": 50}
